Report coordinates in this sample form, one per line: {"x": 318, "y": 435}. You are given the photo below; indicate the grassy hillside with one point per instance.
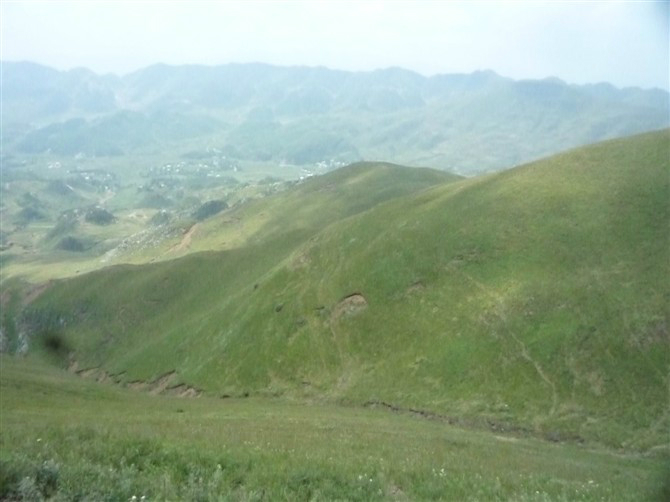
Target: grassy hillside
{"x": 312, "y": 206}
{"x": 534, "y": 300}
{"x": 66, "y": 438}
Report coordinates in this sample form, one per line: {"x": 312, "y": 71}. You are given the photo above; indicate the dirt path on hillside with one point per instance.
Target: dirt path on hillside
{"x": 186, "y": 240}
{"x": 35, "y": 292}
{"x": 162, "y": 385}
{"x": 523, "y": 350}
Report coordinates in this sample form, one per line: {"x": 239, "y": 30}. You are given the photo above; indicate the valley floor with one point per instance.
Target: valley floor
{"x": 65, "y": 438}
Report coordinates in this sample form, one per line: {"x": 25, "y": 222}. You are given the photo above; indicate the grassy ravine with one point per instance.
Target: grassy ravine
{"x": 65, "y": 438}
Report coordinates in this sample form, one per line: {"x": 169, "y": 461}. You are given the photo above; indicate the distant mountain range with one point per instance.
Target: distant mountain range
{"x": 465, "y": 123}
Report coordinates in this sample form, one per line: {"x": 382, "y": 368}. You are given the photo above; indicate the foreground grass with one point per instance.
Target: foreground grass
{"x": 69, "y": 439}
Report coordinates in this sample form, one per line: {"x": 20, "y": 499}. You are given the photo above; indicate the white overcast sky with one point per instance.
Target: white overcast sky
{"x": 625, "y": 43}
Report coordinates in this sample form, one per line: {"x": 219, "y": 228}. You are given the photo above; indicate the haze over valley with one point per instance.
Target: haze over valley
{"x": 308, "y": 116}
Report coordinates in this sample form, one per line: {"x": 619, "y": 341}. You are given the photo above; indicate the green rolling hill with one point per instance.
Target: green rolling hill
{"x": 532, "y": 300}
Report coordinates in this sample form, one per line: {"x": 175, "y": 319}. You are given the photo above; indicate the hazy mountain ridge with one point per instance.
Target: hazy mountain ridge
{"x": 303, "y": 115}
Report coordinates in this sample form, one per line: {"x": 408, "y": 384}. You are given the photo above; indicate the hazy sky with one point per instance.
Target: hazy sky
{"x": 625, "y": 43}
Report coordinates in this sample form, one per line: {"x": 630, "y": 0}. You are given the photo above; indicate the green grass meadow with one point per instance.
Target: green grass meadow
{"x": 66, "y": 438}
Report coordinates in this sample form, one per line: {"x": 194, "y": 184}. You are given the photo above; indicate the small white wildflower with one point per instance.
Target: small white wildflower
{"x": 39, "y": 440}
{"x": 133, "y": 497}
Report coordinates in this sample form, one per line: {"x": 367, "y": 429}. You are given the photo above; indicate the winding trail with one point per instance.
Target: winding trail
{"x": 186, "y": 240}
{"x": 523, "y": 349}
{"x": 538, "y": 368}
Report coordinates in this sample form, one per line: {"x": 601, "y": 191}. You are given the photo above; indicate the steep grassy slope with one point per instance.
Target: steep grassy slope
{"x": 312, "y": 206}
{"x": 535, "y": 299}
{"x": 46, "y": 229}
